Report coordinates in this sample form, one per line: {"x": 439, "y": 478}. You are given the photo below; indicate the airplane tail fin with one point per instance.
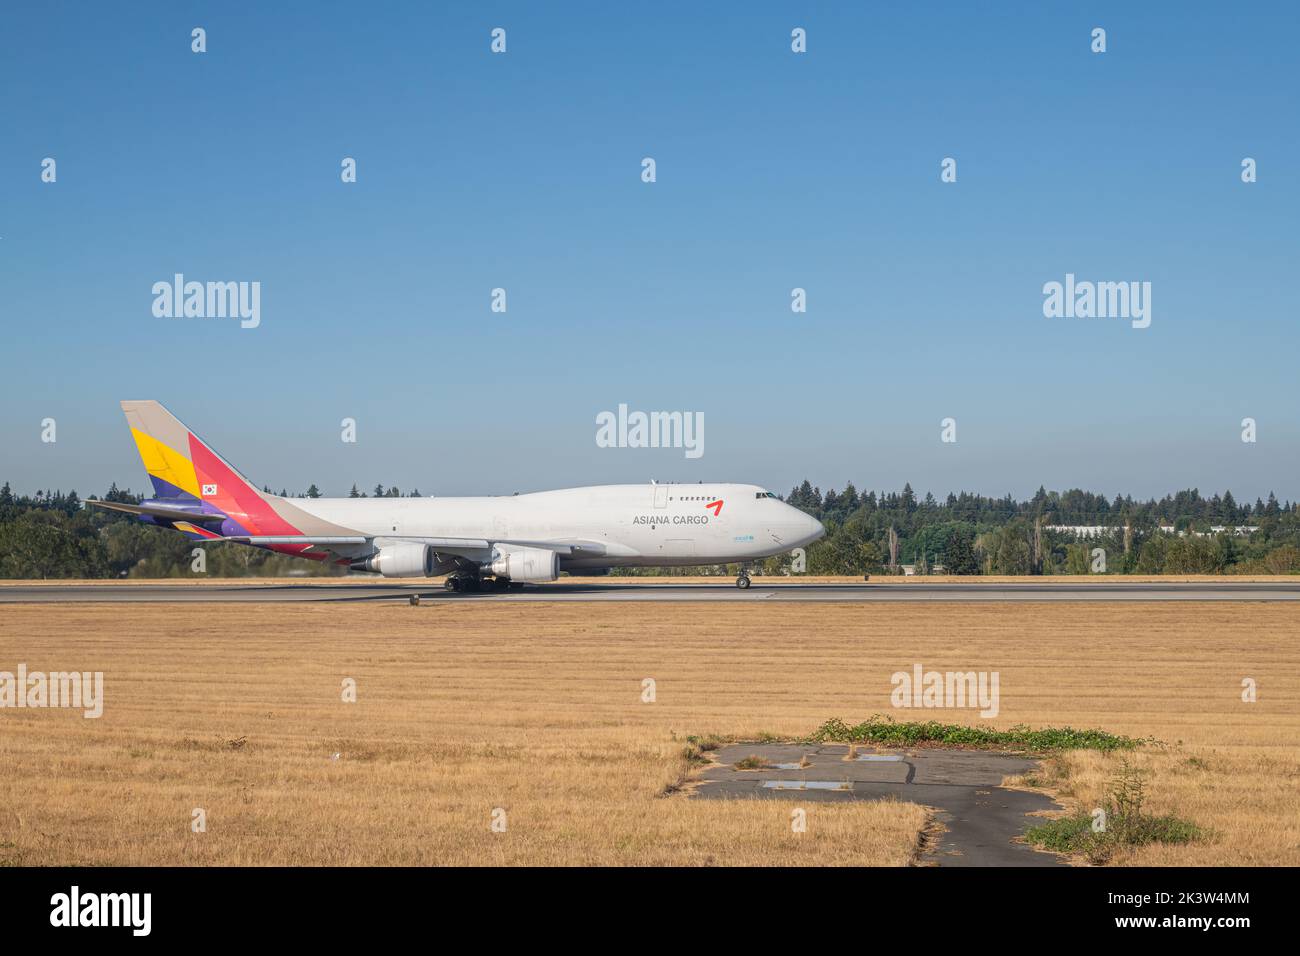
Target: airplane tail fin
{"x": 179, "y": 463}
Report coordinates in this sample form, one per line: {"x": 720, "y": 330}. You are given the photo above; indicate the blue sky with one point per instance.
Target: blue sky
{"x": 775, "y": 171}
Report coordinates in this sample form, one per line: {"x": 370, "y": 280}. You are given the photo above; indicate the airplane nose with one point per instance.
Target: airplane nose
{"x": 801, "y": 527}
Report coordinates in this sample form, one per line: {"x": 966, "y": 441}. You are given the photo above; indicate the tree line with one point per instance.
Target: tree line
{"x": 51, "y": 535}
{"x": 1182, "y": 533}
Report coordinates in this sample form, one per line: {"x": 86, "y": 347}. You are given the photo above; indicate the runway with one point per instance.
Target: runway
{"x": 119, "y": 592}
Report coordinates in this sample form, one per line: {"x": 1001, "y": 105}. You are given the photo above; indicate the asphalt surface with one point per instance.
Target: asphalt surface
{"x": 982, "y": 820}
{"x": 722, "y": 591}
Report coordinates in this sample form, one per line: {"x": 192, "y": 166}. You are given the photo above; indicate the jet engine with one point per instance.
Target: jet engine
{"x": 531, "y": 565}
{"x": 401, "y": 561}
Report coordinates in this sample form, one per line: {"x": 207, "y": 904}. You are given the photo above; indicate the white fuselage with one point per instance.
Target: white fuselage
{"x": 635, "y": 525}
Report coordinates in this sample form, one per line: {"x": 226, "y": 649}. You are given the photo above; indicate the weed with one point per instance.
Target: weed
{"x": 1125, "y": 823}
{"x": 884, "y": 730}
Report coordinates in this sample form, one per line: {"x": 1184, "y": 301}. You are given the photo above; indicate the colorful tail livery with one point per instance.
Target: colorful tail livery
{"x": 196, "y": 490}
{"x": 179, "y": 463}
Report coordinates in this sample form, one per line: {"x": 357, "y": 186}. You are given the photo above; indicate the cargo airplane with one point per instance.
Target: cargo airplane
{"x": 478, "y": 543}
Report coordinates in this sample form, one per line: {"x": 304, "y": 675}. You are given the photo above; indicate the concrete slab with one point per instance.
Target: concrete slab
{"x": 981, "y": 817}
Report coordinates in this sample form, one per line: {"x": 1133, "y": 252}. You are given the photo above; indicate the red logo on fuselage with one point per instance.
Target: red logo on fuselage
{"x": 716, "y": 506}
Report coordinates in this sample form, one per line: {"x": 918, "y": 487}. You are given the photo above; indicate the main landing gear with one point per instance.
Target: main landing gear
{"x": 742, "y": 582}
{"x": 459, "y": 581}
{"x": 462, "y": 582}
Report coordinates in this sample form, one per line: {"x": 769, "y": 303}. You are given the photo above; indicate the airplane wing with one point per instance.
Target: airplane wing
{"x": 323, "y": 541}
{"x": 347, "y": 545}
{"x": 472, "y": 547}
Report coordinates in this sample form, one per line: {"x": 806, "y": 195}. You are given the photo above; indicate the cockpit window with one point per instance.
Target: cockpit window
{"x": 764, "y": 494}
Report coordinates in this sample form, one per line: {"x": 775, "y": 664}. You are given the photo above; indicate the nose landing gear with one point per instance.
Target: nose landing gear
{"x": 742, "y": 582}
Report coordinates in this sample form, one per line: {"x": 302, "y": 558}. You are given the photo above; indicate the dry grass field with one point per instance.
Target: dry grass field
{"x": 536, "y": 709}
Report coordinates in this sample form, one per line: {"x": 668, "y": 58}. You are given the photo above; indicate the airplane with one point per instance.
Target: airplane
{"x": 482, "y": 543}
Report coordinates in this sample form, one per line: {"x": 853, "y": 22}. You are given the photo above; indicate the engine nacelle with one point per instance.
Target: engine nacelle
{"x": 531, "y": 565}
{"x": 401, "y": 561}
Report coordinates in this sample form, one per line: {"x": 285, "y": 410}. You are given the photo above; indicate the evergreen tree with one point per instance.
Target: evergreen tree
{"x": 959, "y": 553}
{"x": 849, "y": 498}
{"x": 802, "y": 497}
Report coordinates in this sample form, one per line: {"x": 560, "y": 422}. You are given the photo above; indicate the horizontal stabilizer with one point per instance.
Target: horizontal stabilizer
{"x": 158, "y": 511}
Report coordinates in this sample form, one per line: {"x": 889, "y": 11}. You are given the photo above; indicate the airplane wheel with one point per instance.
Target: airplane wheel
{"x": 451, "y": 584}
{"x": 501, "y": 584}
{"x": 742, "y": 582}
{"x": 516, "y": 585}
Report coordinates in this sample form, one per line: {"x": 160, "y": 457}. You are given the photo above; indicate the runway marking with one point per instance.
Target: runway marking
{"x": 114, "y": 592}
